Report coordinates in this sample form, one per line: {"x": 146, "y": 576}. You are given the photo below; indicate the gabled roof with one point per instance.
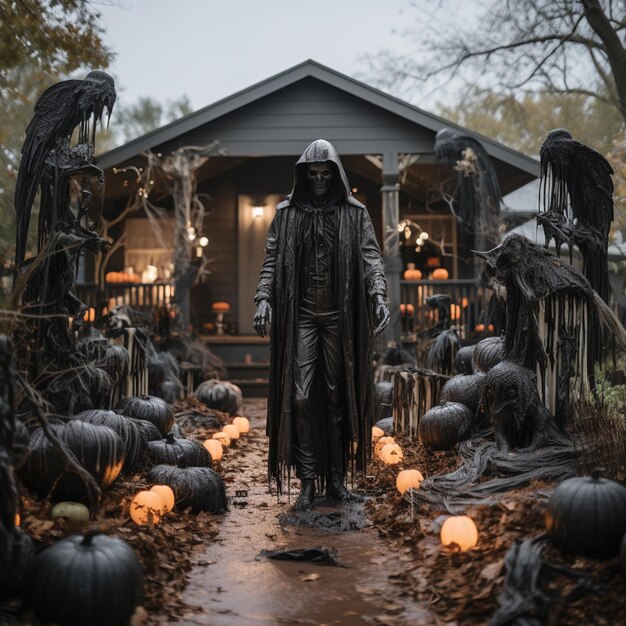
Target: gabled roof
{"x": 284, "y": 79}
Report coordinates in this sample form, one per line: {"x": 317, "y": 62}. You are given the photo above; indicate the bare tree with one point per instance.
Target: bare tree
{"x": 560, "y": 46}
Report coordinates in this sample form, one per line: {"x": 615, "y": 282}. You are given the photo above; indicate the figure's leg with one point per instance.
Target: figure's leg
{"x": 304, "y": 372}
{"x": 334, "y": 379}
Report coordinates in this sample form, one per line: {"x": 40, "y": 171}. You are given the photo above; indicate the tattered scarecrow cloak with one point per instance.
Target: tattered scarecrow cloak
{"x": 358, "y": 277}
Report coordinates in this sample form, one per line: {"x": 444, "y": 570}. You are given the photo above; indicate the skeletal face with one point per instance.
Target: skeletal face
{"x": 320, "y": 176}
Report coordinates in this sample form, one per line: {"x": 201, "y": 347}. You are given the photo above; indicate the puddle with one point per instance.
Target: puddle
{"x": 236, "y": 586}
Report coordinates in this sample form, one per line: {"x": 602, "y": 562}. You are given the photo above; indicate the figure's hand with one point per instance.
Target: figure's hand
{"x": 381, "y": 314}
{"x": 262, "y": 317}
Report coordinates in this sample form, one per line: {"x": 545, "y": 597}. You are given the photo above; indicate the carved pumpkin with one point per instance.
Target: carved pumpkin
{"x": 101, "y": 582}
{"x": 167, "y": 497}
{"x": 148, "y": 408}
{"x": 409, "y": 479}
{"x": 197, "y": 487}
{"x": 383, "y": 441}
{"x": 220, "y": 395}
{"x": 466, "y": 389}
{"x": 242, "y": 424}
{"x": 489, "y": 352}
{"x": 441, "y": 273}
{"x": 179, "y": 452}
{"x": 460, "y": 530}
{"x": 215, "y": 449}
{"x": 391, "y": 454}
{"x": 146, "y": 508}
{"x": 445, "y": 425}
{"x": 587, "y": 516}
{"x": 126, "y": 428}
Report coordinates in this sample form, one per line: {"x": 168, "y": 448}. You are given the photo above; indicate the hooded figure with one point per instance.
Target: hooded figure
{"x": 323, "y": 290}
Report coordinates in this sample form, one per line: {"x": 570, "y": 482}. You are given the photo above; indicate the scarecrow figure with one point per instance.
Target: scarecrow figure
{"x": 323, "y": 290}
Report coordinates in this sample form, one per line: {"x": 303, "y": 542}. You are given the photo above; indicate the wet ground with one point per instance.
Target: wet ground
{"x": 233, "y": 585}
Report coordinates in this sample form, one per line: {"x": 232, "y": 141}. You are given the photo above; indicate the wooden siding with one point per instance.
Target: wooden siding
{"x": 284, "y": 122}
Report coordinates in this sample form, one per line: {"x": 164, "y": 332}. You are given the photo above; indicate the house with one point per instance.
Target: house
{"x": 386, "y": 146}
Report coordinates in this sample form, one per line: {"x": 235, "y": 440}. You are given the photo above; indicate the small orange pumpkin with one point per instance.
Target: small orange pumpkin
{"x": 441, "y": 273}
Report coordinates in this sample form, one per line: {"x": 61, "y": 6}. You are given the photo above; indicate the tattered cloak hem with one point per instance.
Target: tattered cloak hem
{"x": 357, "y": 262}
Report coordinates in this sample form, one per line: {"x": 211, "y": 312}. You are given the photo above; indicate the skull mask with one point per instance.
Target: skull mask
{"x": 320, "y": 176}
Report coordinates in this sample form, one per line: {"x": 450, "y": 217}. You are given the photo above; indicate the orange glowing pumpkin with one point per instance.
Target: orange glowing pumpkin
{"x": 409, "y": 479}
{"x": 441, "y": 273}
{"x": 460, "y": 530}
{"x": 215, "y": 449}
{"x": 167, "y": 497}
{"x": 146, "y": 508}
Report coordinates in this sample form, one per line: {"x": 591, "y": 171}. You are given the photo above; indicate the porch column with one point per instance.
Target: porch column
{"x": 390, "y": 193}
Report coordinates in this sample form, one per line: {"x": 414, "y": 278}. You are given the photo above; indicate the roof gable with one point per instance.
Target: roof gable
{"x": 406, "y": 126}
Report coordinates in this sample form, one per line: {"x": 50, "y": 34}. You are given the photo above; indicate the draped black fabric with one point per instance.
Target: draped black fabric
{"x": 359, "y": 276}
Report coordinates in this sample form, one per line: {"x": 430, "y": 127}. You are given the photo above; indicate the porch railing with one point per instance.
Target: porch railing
{"x": 137, "y": 295}
{"x": 468, "y": 301}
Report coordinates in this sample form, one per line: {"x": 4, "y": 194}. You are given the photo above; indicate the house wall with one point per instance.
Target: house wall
{"x": 284, "y": 122}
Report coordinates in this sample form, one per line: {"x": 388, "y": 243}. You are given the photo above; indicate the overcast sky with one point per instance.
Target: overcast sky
{"x": 210, "y": 49}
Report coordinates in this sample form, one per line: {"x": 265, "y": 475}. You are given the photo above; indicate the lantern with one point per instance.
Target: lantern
{"x": 242, "y": 424}
{"x": 409, "y": 479}
{"x": 215, "y": 449}
{"x": 74, "y": 511}
{"x": 460, "y": 530}
{"x": 455, "y": 312}
{"x": 223, "y": 438}
{"x": 479, "y": 328}
{"x": 146, "y": 508}
{"x": 167, "y": 497}
{"x": 377, "y": 433}
{"x": 90, "y": 315}
{"x": 391, "y": 454}
{"x": 441, "y": 273}
{"x": 232, "y": 431}
{"x": 411, "y": 273}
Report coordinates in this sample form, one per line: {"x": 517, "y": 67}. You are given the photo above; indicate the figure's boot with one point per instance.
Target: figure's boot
{"x": 335, "y": 488}
{"x": 307, "y": 495}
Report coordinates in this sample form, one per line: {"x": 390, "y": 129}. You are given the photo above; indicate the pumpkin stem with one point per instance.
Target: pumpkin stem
{"x": 89, "y": 535}
{"x": 597, "y": 473}
{"x": 170, "y": 438}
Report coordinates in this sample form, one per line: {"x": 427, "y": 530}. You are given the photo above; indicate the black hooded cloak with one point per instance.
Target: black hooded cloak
{"x": 359, "y": 277}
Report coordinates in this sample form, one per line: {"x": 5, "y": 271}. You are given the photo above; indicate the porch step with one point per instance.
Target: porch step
{"x": 247, "y": 371}
{"x": 258, "y": 388}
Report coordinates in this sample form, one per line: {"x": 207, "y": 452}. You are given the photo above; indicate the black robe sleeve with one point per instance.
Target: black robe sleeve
{"x": 373, "y": 268}
{"x": 265, "y": 288}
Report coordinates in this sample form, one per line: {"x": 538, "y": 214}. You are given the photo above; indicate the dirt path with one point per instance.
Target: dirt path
{"x": 234, "y": 585}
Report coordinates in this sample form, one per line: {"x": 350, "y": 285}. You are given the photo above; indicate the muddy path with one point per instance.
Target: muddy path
{"x": 231, "y": 584}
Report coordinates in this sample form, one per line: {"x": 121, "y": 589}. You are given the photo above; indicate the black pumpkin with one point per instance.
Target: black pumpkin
{"x": 98, "y": 449}
{"x": 489, "y": 352}
{"x": 587, "y": 516}
{"x": 445, "y": 425}
{"x": 92, "y": 579}
{"x": 147, "y": 431}
{"x": 19, "y": 448}
{"x": 386, "y": 425}
{"x": 383, "y": 399}
{"x": 19, "y": 559}
{"x": 464, "y": 360}
{"x": 126, "y": 428}
{"x": 220, "y": 395}
{"x": 179, "y": 452}
{"x": 200, "y": 488}
{"x": 148, "y": 408}
{"x": 170, "y": 390}
{"x": 466, "y": 389}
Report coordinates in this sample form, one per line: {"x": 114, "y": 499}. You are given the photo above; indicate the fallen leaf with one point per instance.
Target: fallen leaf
{"x": 309, "y": 577}
{"x": 492, "y": 571}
